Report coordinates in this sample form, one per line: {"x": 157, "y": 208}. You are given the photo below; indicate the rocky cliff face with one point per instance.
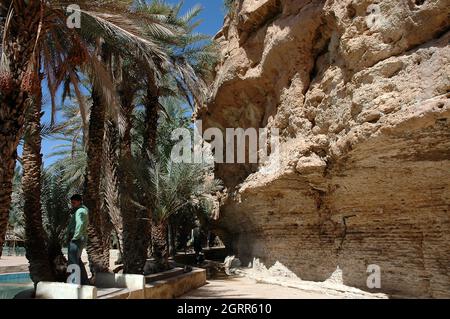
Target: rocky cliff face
{"x": 360, "y": 92}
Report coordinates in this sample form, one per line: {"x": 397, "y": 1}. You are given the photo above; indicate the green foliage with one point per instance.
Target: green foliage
{"x": 72, "y": 162}
{"x": 191, "y": 55}
{"x": 16, "y": 211}
{"x": 16, "y": 216}
{"x": 55, "y": 200}
{"x": 172, "y": 187}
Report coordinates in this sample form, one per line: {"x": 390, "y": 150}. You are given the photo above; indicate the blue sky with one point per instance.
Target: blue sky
{"x": 212, "y": 20}
{"x": 212, "y": 15}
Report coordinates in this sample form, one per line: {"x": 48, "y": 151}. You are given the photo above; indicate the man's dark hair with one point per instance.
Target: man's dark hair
{"x": 77, "y": 197}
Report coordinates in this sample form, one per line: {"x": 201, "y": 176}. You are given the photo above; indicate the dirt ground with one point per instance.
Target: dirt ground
{"x": 247, "y": 288}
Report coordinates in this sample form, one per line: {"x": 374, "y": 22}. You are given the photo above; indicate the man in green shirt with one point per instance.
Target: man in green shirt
{"x": 77, "y": 234}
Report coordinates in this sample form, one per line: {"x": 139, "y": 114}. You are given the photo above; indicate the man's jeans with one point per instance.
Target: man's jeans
{"x": 74, "y": 254}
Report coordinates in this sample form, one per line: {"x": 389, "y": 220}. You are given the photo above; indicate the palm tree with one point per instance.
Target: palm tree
{"x": 73, "y": 161}
{"x": 21, "y": 22}
{"x": 71, "y": 153}
{"x": 36, "y": 241}
{"x": 26, "y": 26}
{"x": 190, "y": 64}
{"x": 43, "y": 243}
{"x": 99, "y": 226}
{"x": 134, "y": 222}
{"x": 56, "y": 215}
{"x": 110, "y": 182}
{"x": 135, "y": 233}
{"x": 128, "y": 71}
{"x": 171, "y": 187}
{"x": 191, "y": 61}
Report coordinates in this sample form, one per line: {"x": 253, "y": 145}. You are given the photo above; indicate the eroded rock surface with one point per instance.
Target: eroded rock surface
{"x": 360, "y": 92}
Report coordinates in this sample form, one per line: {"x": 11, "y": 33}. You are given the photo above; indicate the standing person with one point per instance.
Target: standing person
{"x": 77, "y": 232}
{"x": 197, "y": 241}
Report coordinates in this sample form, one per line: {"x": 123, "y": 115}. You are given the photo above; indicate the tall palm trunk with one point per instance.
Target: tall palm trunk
{"x": 35, "y": 236}
{"x": 151, "y": 104}
{"x": 158, "y": 230}
{"x": 111, "y": 181}
{"x": 99, "y": 229}
{"x": 18, "y": 50}
{"x": 135, "y": 221}
{"x": 172, "y": 237}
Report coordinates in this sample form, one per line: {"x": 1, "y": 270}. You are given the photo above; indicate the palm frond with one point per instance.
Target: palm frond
{"x": 55, "y": 199}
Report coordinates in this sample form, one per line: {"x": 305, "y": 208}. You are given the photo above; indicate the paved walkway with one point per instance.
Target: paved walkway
{"x": 20, "y": 263}
{"x": 241, "y": 288}
{"x": 13, "y": 264}
{"x": 13, "y": 261}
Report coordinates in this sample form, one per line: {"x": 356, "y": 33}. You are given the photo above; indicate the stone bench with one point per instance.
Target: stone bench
{"x": 61, "y": 290}
{"x": 166, "y": 285}
{"x": 131, "y": 286}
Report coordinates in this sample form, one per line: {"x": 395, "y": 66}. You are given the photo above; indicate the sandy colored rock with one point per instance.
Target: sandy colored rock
{"x": 360, "y": 92}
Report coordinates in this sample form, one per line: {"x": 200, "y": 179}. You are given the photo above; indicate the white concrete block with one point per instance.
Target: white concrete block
{"x": 59, "y": 290}
{"x": 110, "y": 280}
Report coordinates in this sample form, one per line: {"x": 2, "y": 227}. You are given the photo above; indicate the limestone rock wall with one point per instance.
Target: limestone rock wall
{"x": 360, "y": 92}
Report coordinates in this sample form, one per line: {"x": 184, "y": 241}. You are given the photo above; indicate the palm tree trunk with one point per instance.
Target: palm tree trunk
{"x": 151, "y": 119}
{"x": 150, "y": 137}
{"x": 111, "y": 181}
{"x": 125, "y": 183}
{"x": 170, "y": 238}
{"x": 35, "y": 237}
{"x": 159, "y": 242}
{"x": 18, "y": 50}
{"x": 135, "y": 221}
{"x": 99, "y": 229}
